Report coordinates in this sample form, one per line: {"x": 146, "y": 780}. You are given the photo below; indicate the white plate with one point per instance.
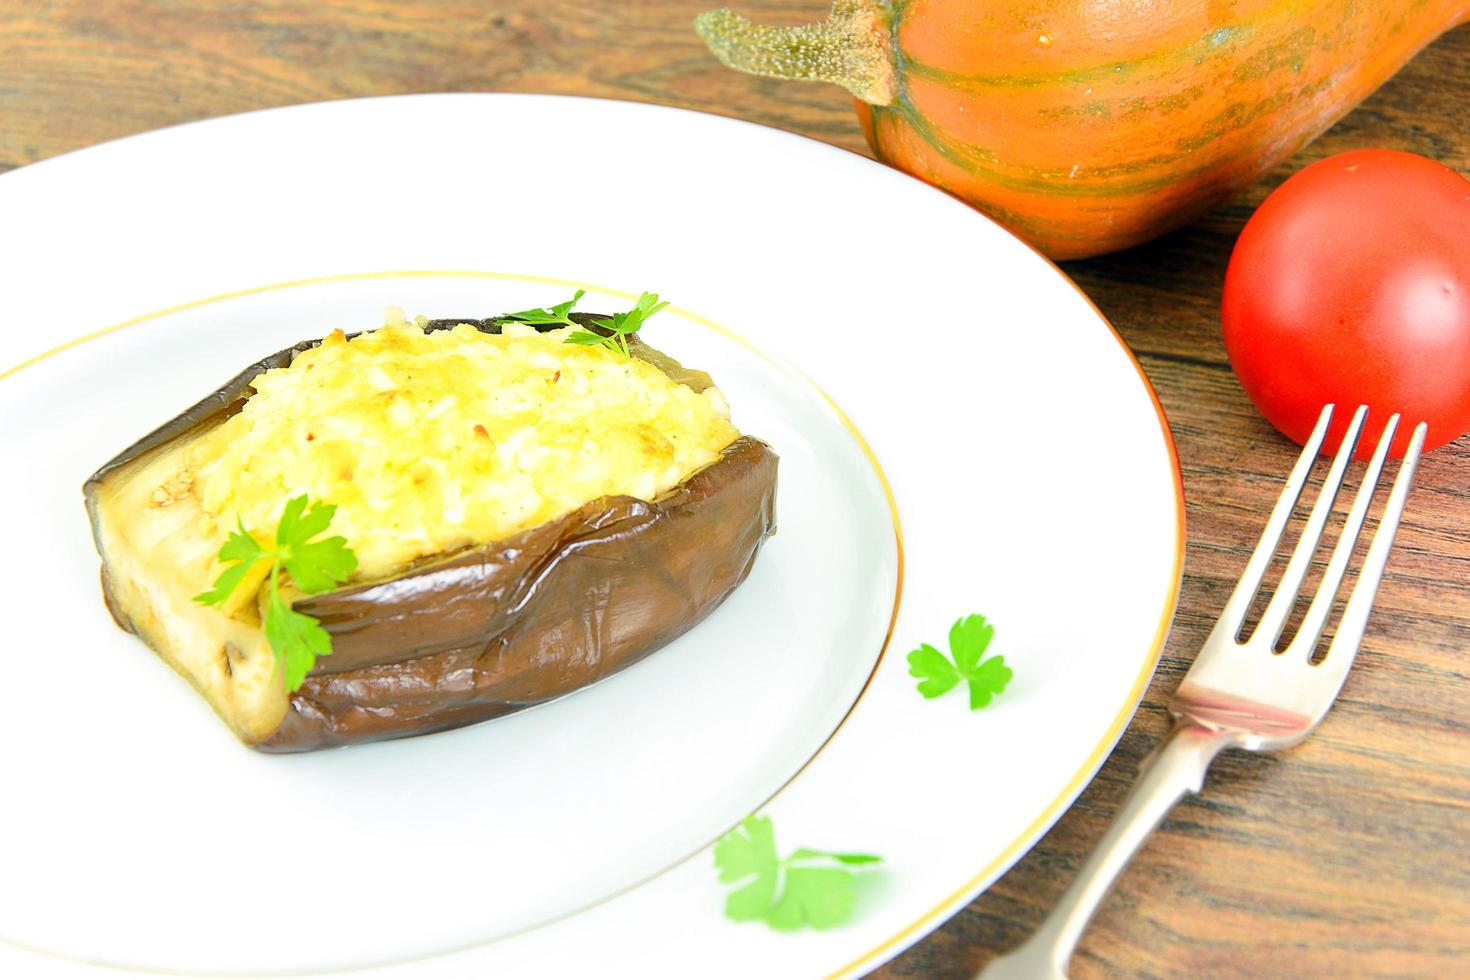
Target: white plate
{"x": 914, "y": 365}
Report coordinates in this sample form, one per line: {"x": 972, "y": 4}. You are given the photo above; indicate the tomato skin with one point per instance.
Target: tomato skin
{"x": 1351, "y": 284}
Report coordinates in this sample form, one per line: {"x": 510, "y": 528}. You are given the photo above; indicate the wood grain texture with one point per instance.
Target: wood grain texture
{"x": 1347, "y": 856}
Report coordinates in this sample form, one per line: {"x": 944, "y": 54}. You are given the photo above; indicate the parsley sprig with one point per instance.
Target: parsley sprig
{"x": 805, "y": 888}
{"x": 558, "y": 315}
{"x": 314, "y": 566}
{"x": 968, "y": 639}
{"x": 621, "y": 325}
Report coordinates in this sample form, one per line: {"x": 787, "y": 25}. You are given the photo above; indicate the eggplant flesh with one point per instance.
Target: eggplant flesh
{"x": 452, "y": 640}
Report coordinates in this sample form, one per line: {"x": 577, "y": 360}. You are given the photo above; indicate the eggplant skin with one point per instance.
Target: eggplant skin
{"x": 538, "y": 615}
{"x": 495, "y": 628}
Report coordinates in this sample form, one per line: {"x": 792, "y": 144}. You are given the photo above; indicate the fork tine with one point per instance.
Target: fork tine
{"x": 1273, "y": 620}
{"x": 1232, "y": 617}
{"x": 1316, "y": 618}
{"x": 1349, "y": 634}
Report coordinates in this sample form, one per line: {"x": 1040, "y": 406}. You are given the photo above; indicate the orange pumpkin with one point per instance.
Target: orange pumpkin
{"x": 1088, "y": 127}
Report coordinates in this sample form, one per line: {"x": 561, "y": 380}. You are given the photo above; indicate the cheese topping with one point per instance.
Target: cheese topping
{"x": 431, "y": 441}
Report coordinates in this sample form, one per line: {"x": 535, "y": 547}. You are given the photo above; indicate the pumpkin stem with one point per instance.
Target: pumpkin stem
{"x": 850, "y": 48}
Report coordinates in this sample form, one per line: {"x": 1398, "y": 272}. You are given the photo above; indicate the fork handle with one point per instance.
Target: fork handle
{"x": 1177, "y": 766}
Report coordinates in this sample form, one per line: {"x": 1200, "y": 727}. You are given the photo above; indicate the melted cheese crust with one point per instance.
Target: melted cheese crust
{"x": 430, "y": 442}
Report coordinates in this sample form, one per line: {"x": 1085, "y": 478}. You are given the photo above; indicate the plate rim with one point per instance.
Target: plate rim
{"x": 955, "y": 902}
{"x": 1047, "y": 817}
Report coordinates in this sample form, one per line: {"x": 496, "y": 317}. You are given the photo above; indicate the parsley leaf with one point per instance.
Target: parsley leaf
{"x": 822, "y": 896}
{"x": 806, "y": 888}
{"x": 314, "y": 566}
{"x": 968, "y": 639}
{"x": 241, "y": 546}
{"x": 296, "y": 638}
{"x": 619, "y": 325}
{"x": 559, "y": 314}
{"x": 749, "y": 852}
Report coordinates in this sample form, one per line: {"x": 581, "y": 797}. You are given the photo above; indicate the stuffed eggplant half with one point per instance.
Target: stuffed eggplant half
{"x": 513, "y": 515}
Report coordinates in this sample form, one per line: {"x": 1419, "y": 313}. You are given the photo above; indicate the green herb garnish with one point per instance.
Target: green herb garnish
{"x": 806, "y": 888}
{"x": 620, "y": 324}
{"x": 968, "y": 639}
{"x": 314, "y": 566}
{"x": 559, "y": 315}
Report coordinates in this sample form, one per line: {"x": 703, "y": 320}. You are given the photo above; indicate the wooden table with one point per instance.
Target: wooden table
{"x": 1347, "y": 856}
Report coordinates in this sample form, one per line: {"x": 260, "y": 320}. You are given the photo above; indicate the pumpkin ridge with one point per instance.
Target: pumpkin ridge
{"x": 976, "y": 83}
{"x": 980, "y": 161}
{"x": 1296, "y": 43}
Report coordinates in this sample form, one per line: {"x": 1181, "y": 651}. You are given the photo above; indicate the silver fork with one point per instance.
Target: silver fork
{"x": 1243, "y": 695}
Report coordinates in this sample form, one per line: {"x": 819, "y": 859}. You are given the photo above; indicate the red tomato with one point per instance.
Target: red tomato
{"x": 1351, "y": 284}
